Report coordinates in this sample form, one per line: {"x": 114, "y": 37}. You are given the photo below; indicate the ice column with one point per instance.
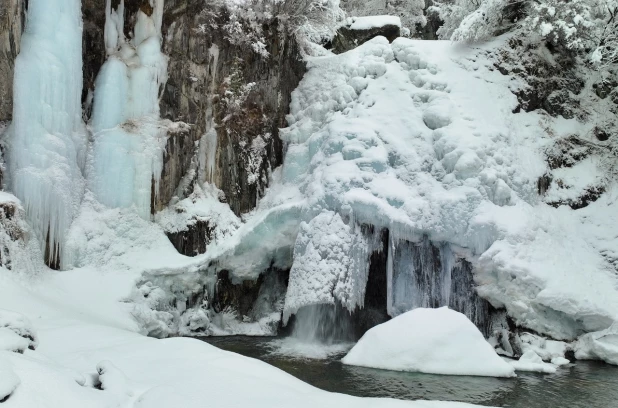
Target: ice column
{"x": 48, "y": 145}
{"x": 129, "y": 137}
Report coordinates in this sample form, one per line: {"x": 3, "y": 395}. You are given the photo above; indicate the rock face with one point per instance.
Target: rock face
{"x": 12, "y": 15}
{"x": 193, "y": 240}
{"x": 234, "y": 99}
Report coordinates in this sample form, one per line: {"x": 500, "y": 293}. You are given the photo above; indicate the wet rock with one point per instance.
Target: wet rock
{"x": 239, "y": 297}
{"x": 543, "y": 183}
{"x": 194, "y": 240}
{"x": 218, "y": 87}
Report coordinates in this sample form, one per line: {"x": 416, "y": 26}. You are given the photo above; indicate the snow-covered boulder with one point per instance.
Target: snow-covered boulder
{"x": 359, "y": 30}
{"x": 435, "y": 341}
{"x": 16, "y": 332}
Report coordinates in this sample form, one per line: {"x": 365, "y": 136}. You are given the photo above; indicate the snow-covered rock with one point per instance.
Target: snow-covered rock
{"x": 16, "y": 332}
{"x": 530, "y": 361}
{"x": 436, "y": 341}
{"x": 369, "y": 22}
{"x": 602, "y": 345}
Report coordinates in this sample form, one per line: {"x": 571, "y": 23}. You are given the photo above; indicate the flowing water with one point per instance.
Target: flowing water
{"x": 584, "y": 384}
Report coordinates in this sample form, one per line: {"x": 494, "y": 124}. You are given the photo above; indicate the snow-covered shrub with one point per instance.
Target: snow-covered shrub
{"x": 605, "y": 52}
{"x": 313, "y": 20}
{"x": 563, "y": 24}
{"x": 474, "y": 20}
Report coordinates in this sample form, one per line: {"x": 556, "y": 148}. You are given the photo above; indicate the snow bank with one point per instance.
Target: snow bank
{"x": 435, "y": 341}
{"x": 369, "y": 22}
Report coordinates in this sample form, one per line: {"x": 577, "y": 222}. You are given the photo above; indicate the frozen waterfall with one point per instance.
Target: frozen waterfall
{"x": 129, "y": 138}
{"x": 48, "y": 146}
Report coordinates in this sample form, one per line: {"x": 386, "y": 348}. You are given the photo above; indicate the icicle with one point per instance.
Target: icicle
{"x": 208, "y": 143}
{"x": 129, "y": 137}
{"x": 47, "y": 151}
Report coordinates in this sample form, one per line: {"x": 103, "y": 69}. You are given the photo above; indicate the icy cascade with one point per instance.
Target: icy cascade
{"x": 330, "y": 265}
{"x": 129, "y": 137}
{"x": 48, "y": 145}
{"x": 424, "y": 275}
{"x": 421, "y": 139}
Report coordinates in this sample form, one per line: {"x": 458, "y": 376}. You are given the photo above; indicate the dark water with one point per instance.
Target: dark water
{"x": 584, "y": 384}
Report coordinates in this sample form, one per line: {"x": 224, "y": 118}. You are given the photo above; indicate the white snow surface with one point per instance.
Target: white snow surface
{"x": 87, "y": 338}
{"x": 434, "y": 341}
{"x": 369, "y": 22}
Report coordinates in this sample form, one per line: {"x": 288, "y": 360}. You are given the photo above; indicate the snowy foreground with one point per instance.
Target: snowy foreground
{"x": 88, "y": 355}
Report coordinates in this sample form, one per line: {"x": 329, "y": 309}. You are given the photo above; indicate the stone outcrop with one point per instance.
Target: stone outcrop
{"x": 347, "y": 38}
{"x": 226, "y": 88}
{"x": 193, "y": 240}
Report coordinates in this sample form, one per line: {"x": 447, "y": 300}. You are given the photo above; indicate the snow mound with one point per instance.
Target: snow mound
{"x": 434, "y": 341}
{"x": 369, "y": 22}
{"x": 530, "y": 361}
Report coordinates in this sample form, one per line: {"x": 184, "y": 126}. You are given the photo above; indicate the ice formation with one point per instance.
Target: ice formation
{"x": 435, "y": 341}
{"x": 47, "y": 152}
{"x": 129, "y": 137}
{"x": 337, "y": 250}
{"x": 420, "y": 139}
